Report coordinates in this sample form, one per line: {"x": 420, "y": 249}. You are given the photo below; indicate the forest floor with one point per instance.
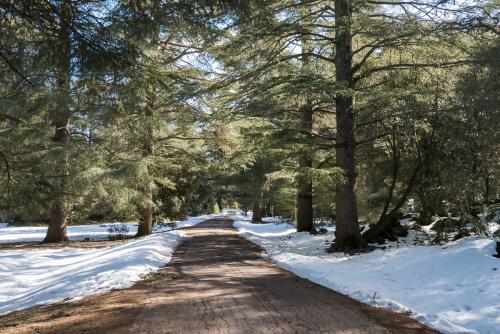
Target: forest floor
{"x": 216, "y": 282}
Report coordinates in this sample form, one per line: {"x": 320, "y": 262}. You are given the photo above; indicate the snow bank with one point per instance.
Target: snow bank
{"x": 32, "y": 277}
{"x": 263, "y": 230}
{"x": 453, "y": 288}
{"x": 44, "y": 276}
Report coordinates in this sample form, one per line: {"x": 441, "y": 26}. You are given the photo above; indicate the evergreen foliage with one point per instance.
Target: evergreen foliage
{"x": 152, "y": 110}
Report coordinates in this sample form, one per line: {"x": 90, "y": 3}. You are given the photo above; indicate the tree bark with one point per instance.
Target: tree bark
{"x": 146, "y": 225}
{"x": 304, "y": 201}
{"x": 57, "y": 223}
{"x": 486, "y": 188}
{"x": 304, "y": 182}
{"x": 60, "y": 207}
{"x": 256, "y": 212}
{"x": 304, "y": 212}
{"x": 145, "y": 209}
{"x": 348, "y": 236}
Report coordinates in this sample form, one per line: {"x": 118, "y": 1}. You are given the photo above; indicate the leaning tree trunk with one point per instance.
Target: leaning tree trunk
{"x": 59, "y": 209}
{"x": 348, "y": 236}
{"x": 388, "y": 226}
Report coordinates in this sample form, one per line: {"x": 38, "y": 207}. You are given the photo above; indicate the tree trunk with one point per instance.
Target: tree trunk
{"x": 145, "y": 208}
{"x": 276, "y": 212}
{"x": 256, "y": 213}
{"x": 264, "y": 210}
{"x": 486, "y": 188}
{"x": 304, "y": 201}
{"x": 304, "y": 182}
{"x": 57, "y": 223}
{"x": 304, "y": 213}
{"x": 348, "y": 236}
{"x": 219, "y": 203}
{"x": 146, "y": 225}
{"x": 59, "y": 210}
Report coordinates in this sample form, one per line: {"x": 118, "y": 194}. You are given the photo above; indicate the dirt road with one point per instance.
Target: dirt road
{"x": 217, "y": 282}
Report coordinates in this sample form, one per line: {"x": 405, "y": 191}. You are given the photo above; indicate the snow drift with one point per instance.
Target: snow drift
{"x": 32, "y": 277}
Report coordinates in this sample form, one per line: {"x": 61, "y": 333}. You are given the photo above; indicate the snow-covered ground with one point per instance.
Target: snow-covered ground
{"x": 77, "y": 232}
{"x": 454, "y": 288}
{"x": 74, "y": 232}
{"x": 32, "y": 277}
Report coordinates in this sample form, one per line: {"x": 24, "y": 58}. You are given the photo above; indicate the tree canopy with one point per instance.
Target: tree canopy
{"x": 346, "y": 110}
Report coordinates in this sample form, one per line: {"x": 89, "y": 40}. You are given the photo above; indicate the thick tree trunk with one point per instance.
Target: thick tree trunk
{"x": 58, "y": 222}
{"x": 256, "y": 213}
{"x": 348, "y": 236}
{"x": 146, "y": 224}
{"x": 145, "y": 209}
{"x": 304, "y": 182}
{"x": 304, "y": 201}
{"x": 304, "y": 213}
{"x": 59, "y": 210}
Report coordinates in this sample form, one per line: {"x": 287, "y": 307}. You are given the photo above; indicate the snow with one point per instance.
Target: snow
{"x": 78, "y": 232}
{"x": 32, "y": 277}
{"x": 263, "y": 230}
{"x": 453, "y": 288}
{"x": 192, "y": 221}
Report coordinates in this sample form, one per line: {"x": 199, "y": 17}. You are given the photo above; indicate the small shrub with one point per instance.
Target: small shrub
{"x": 322, "y": 230}
{"x": 164, "y": 225}
{"x": 439, "y": 238}
{"x": 158, "y": 276}
{"x": 445, "y": 225}
{"x": 497, "y": 234}
{"x": 493, "y": 213}
{"x": 282, "y": 220}
{"x": 117, "y": 231}
{"x": 462, "y": 233}
{"x": 424, "y": 219}
{"x": 417, "y": 227}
